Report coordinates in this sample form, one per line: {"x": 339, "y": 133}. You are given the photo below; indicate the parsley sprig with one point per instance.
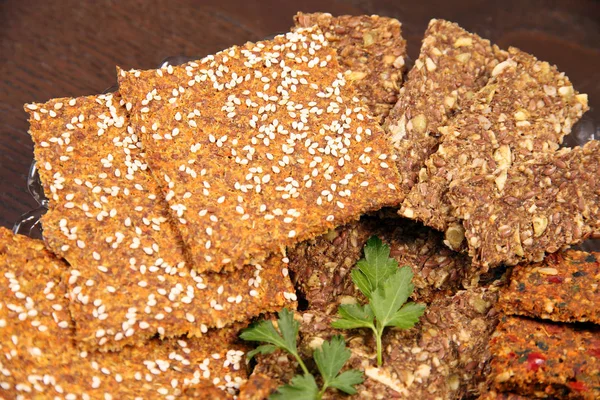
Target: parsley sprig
{"x": 330, "y": 359}
{"x": 387, "y": 288}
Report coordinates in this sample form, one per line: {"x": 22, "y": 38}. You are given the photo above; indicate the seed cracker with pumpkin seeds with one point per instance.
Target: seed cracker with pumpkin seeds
{"x": 452, "y": 65}
{"x": 40, "y": 357}
{"x": 546, "y": 203}
{"x": 526, "y": 107}
{"x": 545, "y": 359}
{"x": 563, "y": 287}
{"x": 128, "y": 277}
{"x": 371, "y": 48}
{"x": 259, "y": 147}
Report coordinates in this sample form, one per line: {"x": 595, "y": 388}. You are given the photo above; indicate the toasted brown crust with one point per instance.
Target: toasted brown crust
{"x": 546, "y": 203}
{"x": 526, "y": 108}
{"x": 242, "y": 186}
{"x": 371, "y": 48}
{"x": 453, "y": 64}
{"x": 257, "y": 387}
{"x": 40, "y": 358}
{"x": 128, "y": 279}
{"x": 493, "y": 395}
{"x": 545, "y": 359}
{"x": 564, "y": 287}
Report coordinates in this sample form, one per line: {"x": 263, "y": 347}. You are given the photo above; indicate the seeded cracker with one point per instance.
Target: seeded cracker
{"x": 39, "y": 358}
{"x": 259, "y": 147}
{"x": 373, "y": 51}
{"x": 452, "y": 65}
{"x": 546, "y": 203}
{"x": 442, "y": 357}
{"x": 564, "y": 287}
{"x": 526, "y": 108}
{"x": 321, "y": 267}
{"x": 546, "y": 359}
{"x": 128, "y": 279}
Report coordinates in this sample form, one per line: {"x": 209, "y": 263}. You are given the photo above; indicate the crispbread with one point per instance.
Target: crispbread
{"x": 543, "y": 358}
{"x": 128, "y": 277}
{"x": 526, "y": 108}
{"x": 453, "y": 64}
{"x": 371, "y": 47}
{"x": 548, "y": 202}
{"x": 40, "y": 358}
{"x": 259, "y": 147}
{"x": 564, "y": 287}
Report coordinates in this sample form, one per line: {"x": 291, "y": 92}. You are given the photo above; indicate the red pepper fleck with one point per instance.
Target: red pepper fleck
{"x": 579, "y": 386}
{"x": 595, "y": 352}
{"x": 535, "y": 360}
{"x": 556, "y": 279}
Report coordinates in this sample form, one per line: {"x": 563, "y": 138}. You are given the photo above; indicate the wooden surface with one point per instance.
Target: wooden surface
{"x": 71, "y": 47}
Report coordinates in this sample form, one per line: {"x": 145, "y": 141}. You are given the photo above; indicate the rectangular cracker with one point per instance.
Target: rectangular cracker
{"x": 443, "y": 356}
{"x": 564, "y": 287}
{"x": 453, "y": 64}
{"x": 542, "y": 358}
{"x": 546, "y": 203}
{"x": 40, "y": 357}
{"x": 526, "y": 108}
{"x": 321, "y": 267}
{"x": 373, "y": 50}
{"x": 259, "y": 147}
{"x": 129, "y": 279}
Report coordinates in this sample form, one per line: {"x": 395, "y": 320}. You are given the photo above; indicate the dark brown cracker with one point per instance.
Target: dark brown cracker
{"x": 257, "y": 387}
{"x": 526, "y": 108}
{"x": 444, "y": 356}
{"x": 259, "y": 147}
{"x": 452, "y": 66}
{"x": 545, "y": 203}
{"x": 40, "y": 358}
{"x": 545, "y": 359}
{"x": 371, "y": 48}
{"x": 493, "y": 395}
{"x": 321, "y": 267}
{"x": 128, "y": 279}
{"x": 563, "y": 287}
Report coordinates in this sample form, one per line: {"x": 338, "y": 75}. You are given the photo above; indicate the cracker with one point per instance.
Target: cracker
{"x": 321, "y": 267}
{"x": 128, "y": 277}
{"x": 40, "y": 358}
{"x": 526, "y": 108}
{"x": 545, "y": 359}
{"x": 453, "y": 64}
{"x": 546, "y": 203}
{"x": 564, "y": 287}
{"x": 493, "y": 395}
{"x": 259, "y": 147}
{"x": 257, "y": 387}
{"x": 444, "y": 356}
{"x": 371, "y": 48}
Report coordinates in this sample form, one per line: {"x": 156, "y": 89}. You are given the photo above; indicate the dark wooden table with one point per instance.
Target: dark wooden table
{"x": 70, "y": 47}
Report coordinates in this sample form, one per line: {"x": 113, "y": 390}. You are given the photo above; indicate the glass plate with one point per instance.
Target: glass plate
{"x": 29, "y": 224}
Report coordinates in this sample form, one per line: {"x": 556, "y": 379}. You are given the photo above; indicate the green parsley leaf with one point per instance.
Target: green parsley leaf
{"x": 388, "y": 288}
{"x": 330, "y": 359}
{"x": 375, "y": 268}
{"x": 354, "y": 316}
{"x": 262, "y": 349}
{"x": 301, "y": 387}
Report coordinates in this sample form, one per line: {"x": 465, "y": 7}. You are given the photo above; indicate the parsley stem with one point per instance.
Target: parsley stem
{"x": 378, "y": 335}
{"x": 302, "y": 365}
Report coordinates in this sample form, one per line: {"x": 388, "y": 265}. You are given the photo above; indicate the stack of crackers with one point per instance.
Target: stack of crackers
{"x": 199, "y": 197}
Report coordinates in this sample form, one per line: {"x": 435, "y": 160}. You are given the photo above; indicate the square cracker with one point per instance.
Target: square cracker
{"x": 453, "y": 64}
{"x": 128, "y": 276}
{"x": 40, "y": 357}
{"x": 259, "y": 147}
{"x": 373, "y": 50}
{"x": 526, "y": 108}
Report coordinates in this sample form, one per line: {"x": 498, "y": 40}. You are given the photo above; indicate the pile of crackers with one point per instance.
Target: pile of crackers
{"x": 200, "y": 197}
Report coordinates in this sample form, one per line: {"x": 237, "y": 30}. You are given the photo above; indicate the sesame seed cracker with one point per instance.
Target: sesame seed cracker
{"x": 128, "y": 277}
{"x": 259, "y": 147}
{"x": 40, "y": 358}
